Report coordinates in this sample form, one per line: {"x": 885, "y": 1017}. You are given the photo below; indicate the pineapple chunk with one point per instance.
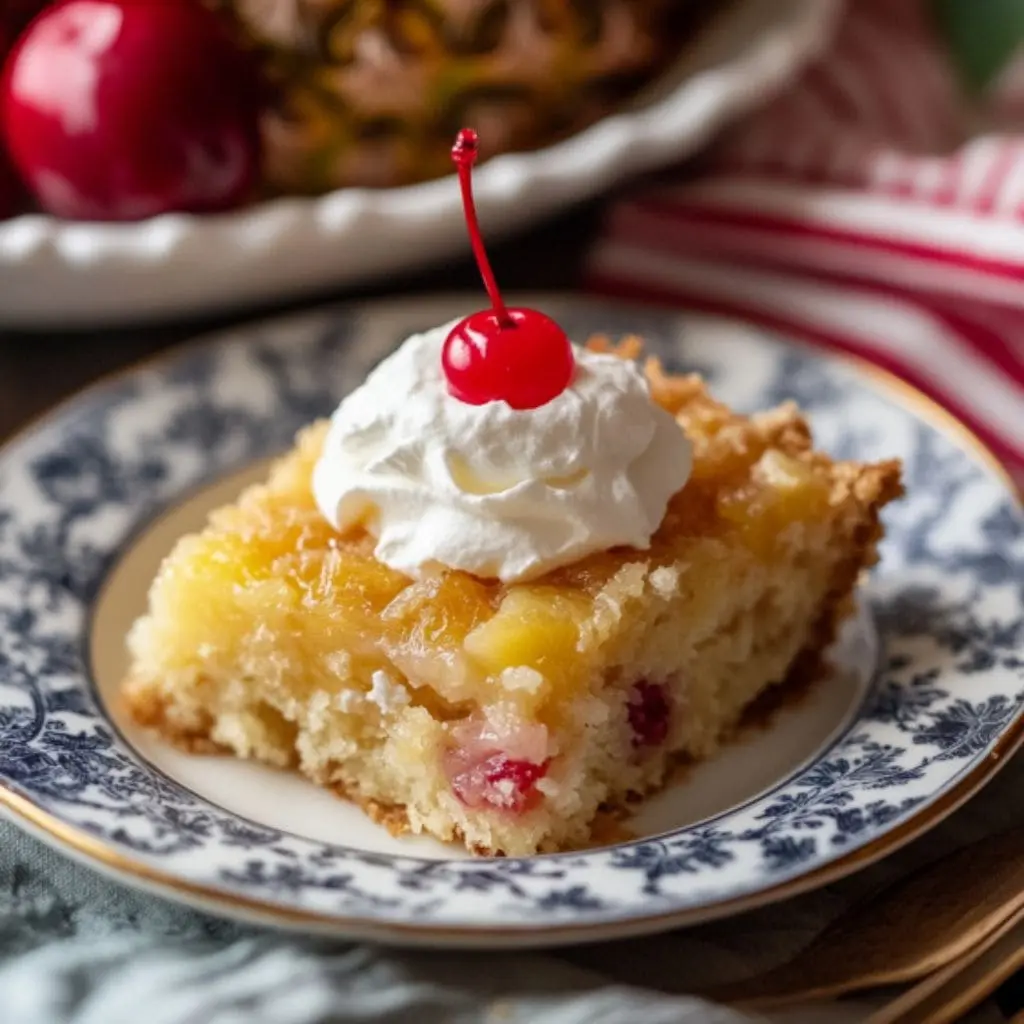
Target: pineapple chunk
{"x": 423, "y": 629}
{"x": 535, "y": 627}
{"x": 783, "y": 492}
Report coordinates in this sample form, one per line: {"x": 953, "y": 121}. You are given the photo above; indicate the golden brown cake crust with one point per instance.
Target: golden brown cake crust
{"x": 149, "y": 710}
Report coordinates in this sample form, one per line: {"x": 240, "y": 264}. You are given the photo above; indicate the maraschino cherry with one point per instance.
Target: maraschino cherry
{"x": 517, "y": 355}
{"x": 124, "y": 109}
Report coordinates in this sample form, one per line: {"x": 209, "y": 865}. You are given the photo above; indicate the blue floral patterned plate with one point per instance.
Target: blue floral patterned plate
{"x": 924, "y": 704}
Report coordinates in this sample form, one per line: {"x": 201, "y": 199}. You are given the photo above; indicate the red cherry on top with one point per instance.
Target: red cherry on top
{"x": 518, "y": 356}
{"x": 124, "y": 109}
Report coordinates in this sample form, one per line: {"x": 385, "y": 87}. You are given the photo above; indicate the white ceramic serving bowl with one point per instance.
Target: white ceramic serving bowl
{"x": 54, "y": 272}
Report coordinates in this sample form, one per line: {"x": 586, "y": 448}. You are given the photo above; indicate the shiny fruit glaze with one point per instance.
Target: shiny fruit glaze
{"x": 518, "y": 356}
{"x": 124, "y": 109}
{"x": 779, "y": 491}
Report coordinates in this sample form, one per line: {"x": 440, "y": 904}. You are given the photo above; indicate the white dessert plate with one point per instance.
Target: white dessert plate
{"x": 54, "y": 272}
{"x": 923, "y": 705}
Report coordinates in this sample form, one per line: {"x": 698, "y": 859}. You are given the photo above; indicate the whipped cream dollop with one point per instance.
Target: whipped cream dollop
{"x": 491, "y": 490}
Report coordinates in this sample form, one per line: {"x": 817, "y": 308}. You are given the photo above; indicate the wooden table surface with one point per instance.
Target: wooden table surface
{"x": 38, "y": 369}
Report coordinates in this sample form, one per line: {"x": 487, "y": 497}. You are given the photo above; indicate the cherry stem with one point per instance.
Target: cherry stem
{"x": 464, "y": 153}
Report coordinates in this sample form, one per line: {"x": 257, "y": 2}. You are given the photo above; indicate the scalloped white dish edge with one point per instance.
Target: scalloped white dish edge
{"x": 78, "y": 274}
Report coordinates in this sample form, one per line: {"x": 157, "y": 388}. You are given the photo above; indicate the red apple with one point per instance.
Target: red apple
{"x": 124, "y": 109}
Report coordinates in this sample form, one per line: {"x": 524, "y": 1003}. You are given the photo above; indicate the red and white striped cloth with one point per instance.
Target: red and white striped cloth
{"x": 861, "y": 210}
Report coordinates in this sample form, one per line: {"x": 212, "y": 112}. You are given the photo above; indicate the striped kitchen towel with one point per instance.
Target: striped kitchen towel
{"x": 877, "y": 208}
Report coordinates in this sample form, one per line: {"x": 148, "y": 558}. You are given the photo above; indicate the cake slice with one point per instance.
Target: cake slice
{"x": 506, "y": 716}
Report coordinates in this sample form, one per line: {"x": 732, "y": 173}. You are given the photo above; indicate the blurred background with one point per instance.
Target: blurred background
{"x": 849, "y": 174}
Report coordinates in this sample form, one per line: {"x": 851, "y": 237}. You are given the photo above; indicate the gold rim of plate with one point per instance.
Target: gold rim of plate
{"x": 112, "y": 862}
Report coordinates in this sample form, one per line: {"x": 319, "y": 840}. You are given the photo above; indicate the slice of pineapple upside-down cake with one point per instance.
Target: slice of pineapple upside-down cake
{"x": 506, "y": 715}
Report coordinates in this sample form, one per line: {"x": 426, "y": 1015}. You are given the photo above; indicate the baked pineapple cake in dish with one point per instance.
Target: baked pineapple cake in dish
{"x": 368, "y": 93}
{"x": 508, "y": 585}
